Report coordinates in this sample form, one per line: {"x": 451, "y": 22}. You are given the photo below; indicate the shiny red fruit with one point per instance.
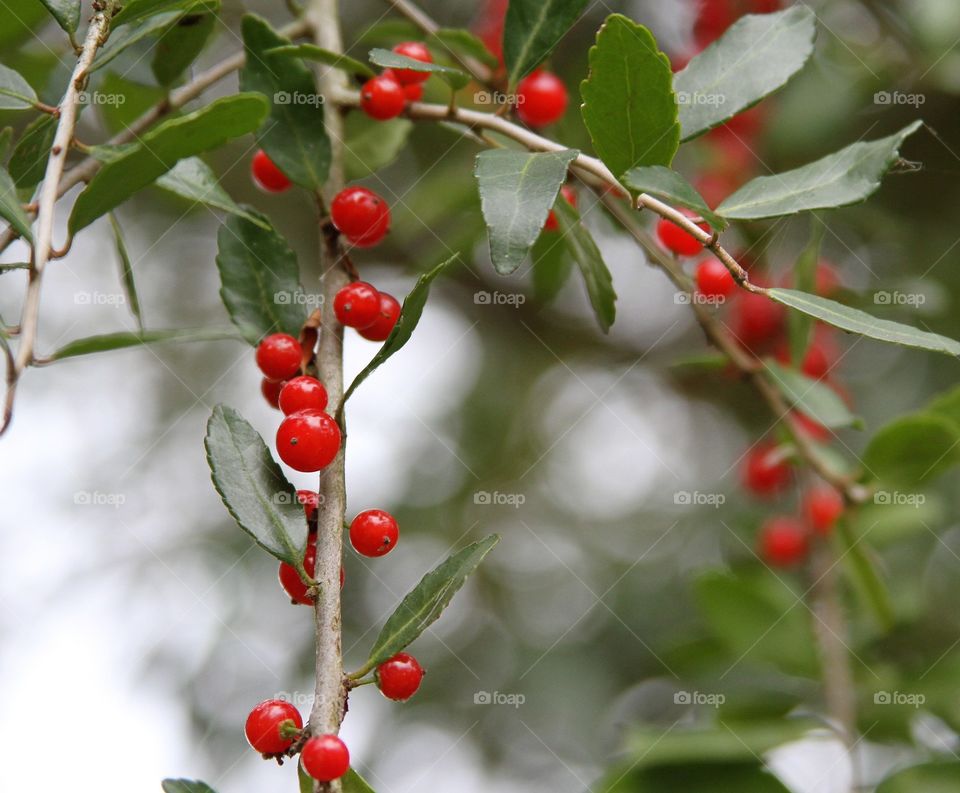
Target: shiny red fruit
{"x": 757, "y": 321}
{"x": 810, "y": 427}
{"x": 271, "y": 391}
{"x": 374, "y": 532}
{"x": 765, "y": 471}
{"x": 678, "y": 241}
{"x": 310, "y": 501}
{"x": 266, "y": 175}
{"x": 382, "y": 97}
{"x": 357, "y": 305}
{"x": 783, "y": 542}
{"x": 541, "y": 98}
{"x": 325, "y": 758}
{"x": 279, "y": 356}
{"x": 419, "y": 52}
{"x": 385, "y": 321}
{"x": 822, "y": 506}
{"x": 308, "y": 440}
{"x": 570, "y": 196}
{"x": 714, "y": 279}
{"x": 413, "y": 92}
{"x": 399, "y": 677}
{"x": 361, "y": 215}
{"x": 290, "y": 579}
{"x": 302, "y": 393}
{"x": 263, "y": 726}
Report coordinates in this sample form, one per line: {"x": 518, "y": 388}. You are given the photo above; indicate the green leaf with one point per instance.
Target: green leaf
{"x": 15, "y": 92}
{"x": 295, "y": 136}
{"x": 180, "y": 45}
{"x": 312, "y": 52}
{"x": 371, "y": 144}
{"x": 304, "y": 780}
{"x": 585, "y": 252}
{"x": 800, "y": 325}
{"x": 856, "y": 321}
{"x": 185, "y": 786}
{"x": 253, "y": 487}
{"x": 136, "y": 10}
{"x": 747, "y": 776}
{"x": 21, "y": 20}
{"x": 844, "y": 177}
{"x": 29, "y": 159}
{"x": 811, "y": 397}
{"x": 912, "y": 450}
{"x": 66, "y": 12}
{"x": 947, "y": 405}
{"x": 11, "y": 209}
{"x": 158, "y": 150}
{"x": 129, "y": 100}
{"x": 352, "y": 782}
{"x": 119, "y": 341}
{"x": 421, "y": 607}
{"x": 126, "y": 271}
{"x": 866, "y": 578}
{"x": 552, "y": 266}
{"x": 937, "y": 777}
{"x": 531, "y": 30}
{"x": 128, "y": 35}
{"x": 628, "y": 103}
{"x": 755, "y": 57}
{"x": 388, "y": 59}
{"x": 260, "y": 280}
{"x": 668, "y": 184}
{"x": 194, "y": 180}
{"x": 517, "y": 190}
{"x": 410, "y": 314}
{"x": 465, "y": 44}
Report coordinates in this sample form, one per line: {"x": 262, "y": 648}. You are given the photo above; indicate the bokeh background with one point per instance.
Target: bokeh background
{"x": 139, "y": 625}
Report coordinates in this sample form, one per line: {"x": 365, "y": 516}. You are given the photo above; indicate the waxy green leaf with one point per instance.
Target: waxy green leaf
{"x": 812, "y": 397}
{"x": 913, "y": 449}
{"x": 388, "y": 59}
{"x": 667, "y": 184}
{"x": 15, "y": 92}
{"x": 11, "y": 209}
{"x": 531, "y": 30}
{"x": 108, "y": 342}
{"x": 66, "y": 12}
{"x": 194, "y": 180}
{"x": 312, "y": 52}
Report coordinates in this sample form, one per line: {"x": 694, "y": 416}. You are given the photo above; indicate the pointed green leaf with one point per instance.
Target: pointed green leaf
{"x": 253, "y": 487}
{"x": 811, "y": 397}
{"x": 531, "y": 30}
{"x": 587, "y": 256}
{"x": 935, "y": 777}
{"x": 421, "y": 607}
{"x": 15, "y": 92}
{"x": 410, "y": 314}
{"x": 371, "y": 144}
{"x": 136, "y": 10}
{"x": 800, "y": 325}
{"x": 755, "y": 57}
{"x": 839, "y": 179}
{"x": 158, "y": 150}
{"x": 11, "y": 209}
{"x": 260, "y": 279}
{"x": 126, "y": 271}
{"x": 913, "y": 449}
{"x": 388, "y": 59}
{"x": 194, "y": 180}
{"x": 465, "y": 44}
{"x": 29, "y": 159}
{"x": 628, "y": 102}
{"x": 127, "y": 36}
{"x": 119, "y": 341}
{"x": 180, "y": 45}
{"x": 295, "y": 135}
{"x": 185, "y": 786}
{"x": 66, "y": 12}
{"x": 352, "y": 782}
{"x": 669, "y": 185}
{"x": 517, "y": 190}
{"x": 312, "y": 52}
{"x": 856, "y": 321}
{"x": 552, "y": 266}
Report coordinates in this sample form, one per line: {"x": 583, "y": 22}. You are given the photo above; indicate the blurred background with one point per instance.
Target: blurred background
{"x": 138, "y": 625}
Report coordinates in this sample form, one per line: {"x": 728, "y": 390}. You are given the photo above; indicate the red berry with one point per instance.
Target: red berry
{"x": 266, "y": 175}
{"x": 765, "y": 471}
{"x": 757, "y": 321}
{"x": 714, "y": 279}
{"x": 399, "y": 677}
{"x": 271, "y": 391}
{"x": 570, "y": 196}
{"x": 385, "y": 321}
{"x": 290, "y": 579}
{"x": 820, "y": 358}
{"x": 263, "y": 726}
{"x": 822, "y": 506}
{"x": 302, "y": 393}
{"x": 357, "y": 305}
{"x": 417, "y": 51}
{"x": 279, "y": 356}
{"x": 783, "y": 541}
{"x": 413, "y": 92}
{"x": 541, "y": 98}
{"x": 310, "y": 501}
{"x": 308, "y": 440}
{"x": 678, "y": 241}
{"x": 374, "y": 532}
{"x": 361, "y": 215}
{"x": 325, "y": 758}
{"x": 809, "y": 427}
{"x": 382, "y": 97}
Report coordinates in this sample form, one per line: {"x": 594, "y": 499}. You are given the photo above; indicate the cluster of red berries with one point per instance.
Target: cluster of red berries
{"x": 386, "y": 95}
{"x": 373, "y": 314}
